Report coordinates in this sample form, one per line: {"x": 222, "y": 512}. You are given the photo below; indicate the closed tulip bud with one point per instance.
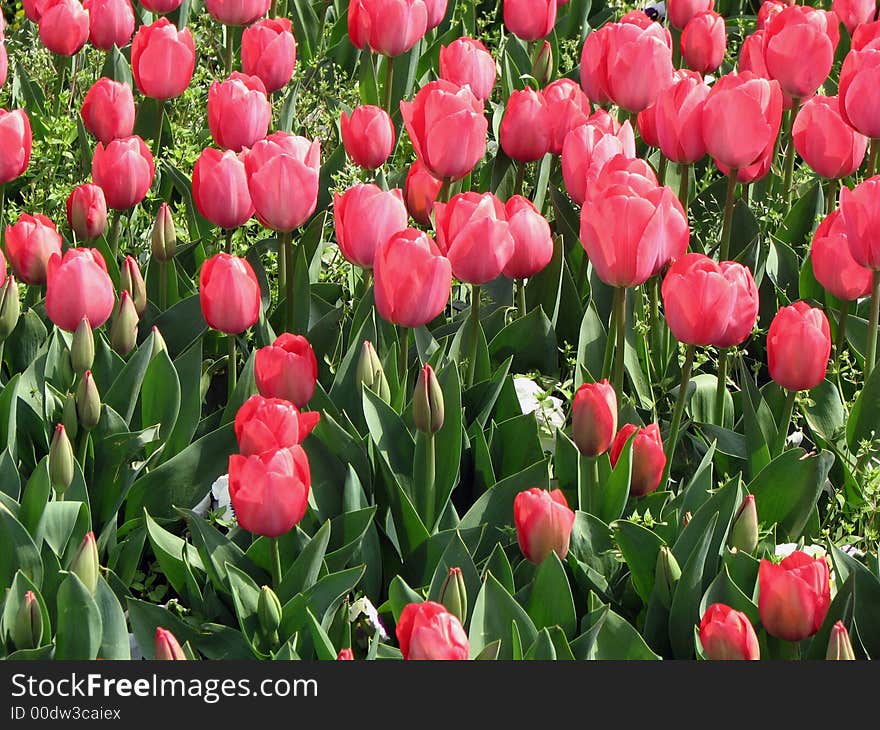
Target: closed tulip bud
{"x": 364, "y": 217}
{"x": 371, "y": 373}
{"x": 744, "y": 533}
{"x": 467, "y": 61}
{"x": 10, "y": 307}
{"x": 124, "y": 170}
{"x": 64, "y": 26}
{"x": 87, "y": 212}
{"x": 388, "y": 27}
{"x": 839, "y": 645}
{"x": 794, "y": 595}
{"x": 131, "y": 281}
{"x": 111, "y": 22}
{"x": 428, "y": 402}
{"x": 69, "y": 416}
{"x": 88, "y": 402}
{"x": 679, "y": 12}
{"x": 833, "y": 264}
{"x": 727, "y": 634}
{"x": 568, "y": 107}
{"x": 27, "y": 631}
{"x": 159, "y": 344}
{"x": 798, "y": 346}
{"x": 124, "y": 326}
{"x": 542, "y": 66}
{"x": 799, "y": 48}
{"x": 237, "y": 12}
{"x": 860, "y": 210}
{"x": 345, "y": 655}
{"x": 428, "y": 631}
{"x": 526, "y": 128}
{"x": 543, "y": 523}
{"x": 268, "y": 50}
{"x": 648, "y": 457}
{"x": 530, "y": 20}
{"x": 15, "y": 144}
{"x": 162, "y": 59}
{"x": 61, "y": 462}
{"x": 167, "y": 646}
{"x": 229, "y": 294}
{"x": 78, "y": 286}
{"x": 667, "y": 573}
{"x": 82, "y": 349}
{"x": 85, "y": 563}
{"x": 239, "y": 111}
{"x": 594, "y": 417}
{"x": 287, "y": 369}
{"x": 421, "y": 190}
{"x": 269, "y": 613}
{"x": 368, "y": 136}
{"x": 164, "y": 235}
{"x": 704, "y": 42}
{"x": 453, "y": 594}
{"x": 30, "y": 243}
{"x": 825, "y": 141}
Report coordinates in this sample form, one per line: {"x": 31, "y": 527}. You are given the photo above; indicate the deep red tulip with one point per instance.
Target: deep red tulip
{"x": 679, "y": 119}
{"x": 220, "y": 188}
{"x": 543, "y": 523}
{"x": 526, "y": 128}
{"x": 825, "y": 141}
{"x": 639, "y": 64}
{"x": 588, "y": 149}
{"x": 728, "y": 634}
{"x": 532, "y": 241}
{"x": 833, "y": 264}
{"x": 794, "y": 596}
{"x": 859, "y": 79}
{"x": 111, "y": 22}
{"x": 530, "y": 20}
{"x": 412, "y": 279}
{"x": 124, "y": 171}
{"x": 287, "y": 369}
{"x": 77, "y": 286}
{"x": 30, "y": 244}
{"x": 799, "y": 48}
{"x": 594, "y": 417}
{"x": 860, "y": 208}
{"x": 447, "y": 128}
{"x": 64, "y": 26}
{"x": 162, "y": 59}
{"x": 569, "y": 108}
{"x": 388, "y": 27}
{"x": 270, "y": 491}
{"x": 229, "y": 294}
{"x": 473, "y": 232}
{"x": 467, "y": 61}
{"x": 648, "y": 458}
{"x": 798, "y": 346}
{"x": 368, "y": 136}
{"x": 421, "y": 190}
{"x": 167, "y": 647}
{"x": 108, "y": 110}
{"x": 680, "y": 12}
{"x": 428, "y": 631}
{"x": 853, "y": 13}
{"x": 87, "y": 212}
{"x": 365, "y": 216}
{"x": 268, "y": 51}
{"x": 704, "y": 42}
{"x": 268, "y": 424}
{"x": 239, "y": 111}
{"x": 237, "y": 12}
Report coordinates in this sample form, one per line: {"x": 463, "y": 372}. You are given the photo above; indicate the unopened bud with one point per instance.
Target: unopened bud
{"x": 371, "y": 373}
{"x": 167, "y": 646}
{"x": 269, "y": 613}
{"x": 428, "y": 402}
{"x": 88, "y": 402}
{"x": 27, "y": 633}
{"x": 159, "y": 344}
{"x": 10, "y": 308}
{"x": 453, "y": 594}
{"x": 744, "y": 533}
{"x": 124, "y": 327}
{"x": 666, "y": 575}
{"x": 85, "y": 563}
{"x": 82, "y": 349}
{"x": 839, "y": 645}
{"x": 345, "y": 655}
{"x": 131, "y": 281}
{"x": 60, "y": 460}
{"x": 542, "y": 66}
{"x": 164, "y": 237}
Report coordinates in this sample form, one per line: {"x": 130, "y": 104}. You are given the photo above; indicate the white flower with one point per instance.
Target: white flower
{"x": 547, "y": 408}
{"x": 363, "y": 607}
{"x": 217, "y": 499}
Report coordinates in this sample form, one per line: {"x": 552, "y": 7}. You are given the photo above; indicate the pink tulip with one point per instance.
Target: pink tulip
{"x": 239, "y": 112}
{"x": 568, "y": 107}
{"x": 368, "y": 136}
{"x": 421, "y": 190}
{"x": 586, "y": 152}
{"x": 639, "y": 64}
{"x": 111, "y": 22}
{"x": 679, "y": 120}
{"x": 365, "y": 217}
{"x": 108, "y": 110}
{"x": 680, "y": 12}
{"x": 15, "y": 144}
{"x": 78, "y": 286}
{"x": 543, "y": 523}
{"x": 594, "y": 417}
{"x": 467, "y": 61}
{"x": 532, "y": 241}
{"x": 30, "y": 243}
{"x": 594, "y": 65}
{"x": 220, "y": 188}
{"x": 798, "y": 346}
{"x": 861, "y": 214}
{"x": 87, "y": 211}
{"x": 526, "y": 128}
{"x": 237, "y": 12}
{"x": 648, "y": 457}
{"x": 124, "y": 170}
{"x": 826, "y": 142}
{"x": 162, "y": 59}
{"x": 268, "y": 51}
{"x": 64, "y": 26}
{"x": 428, "y": 631}
{"x": 833, "y": 265}
{"x": 161, "y": 7}
{"x": 859, "y": 79}
{"x": 388, "y": 27}
{"x": 530, "y": 20}
{"x": 229, "y": 294}
{"x": 853, "y": 13}
{"x": 704, "y": 42}
{"x": 287, "y": 369}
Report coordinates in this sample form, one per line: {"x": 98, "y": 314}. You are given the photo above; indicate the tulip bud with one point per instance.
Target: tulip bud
{"x": 666, "y": 575}
{"x": 131, "y": 280}
{"x": 269, "y": 614}
{"x": 85, "y": 563}
{"x": 371, "y": 373}
{"x": 167, "y": 646}
{"x": 159, "y": 344}
{"x": 60, "y": 460}
{"x": 345, "y": 655}
{"x": 27, "y": 633}
{"x": 744, "y": 533}
{"x": 453, "y": 594}
{"x": 164, "y": 236}
{"x": 82, "y": 351}
{"x": 9, "y": 307}
{"x": 69, "y": 417}
{"x": 428, "y": 402}
{"x": 542, "y": 67}
{"x": 88, "y": 402}
{"x": 839, "y": 645}
{"x": 123, "y": 330}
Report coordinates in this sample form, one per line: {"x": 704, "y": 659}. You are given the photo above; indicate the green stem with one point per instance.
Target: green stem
{"x": 163, "y": 286}
{"x": 656, "y": 333}
{"x": 520, "y": 178}
{"x": 872, "y": 326}
{"x": 232, "y": 367}
{"x": 661, "y": 169}
{"x": 588, "y": 484}
{"x": 582, "y": 272}
{"x": 425, "y": 490}
{"x": 721, "y": 387}
{"x": 61, "y": 71}
{"x": 620, "y": 324}
{"x": 389, "y": 83}
{"x": 227, "y": 233}
{"x": 782, "y": 433}
{"x": 678, "y": 412}
{"x": 521, "y": 297}
{"x": 273, "y": 9}
{"x": 443, "y": 193}
{"x": 276, "y": 561}
{"x": 230, "y": 50}
{"x": 872, "y": 157}
{"x": 158, "y": 139}
{"x": 840, "y": 344}
{"x": 287, "y": 251}
{"x": 115, "y": 228}
{"x": 683, "y": 185}
{"x": 403, "y": 358}
{"x": 831, "y": 195}
{"x": 83, "y": 450}
{"x": 2, "y": 213}
{"x": 724, "y": 250}
{"x": 475, "y": 333}
{"x": 789, "y": 151}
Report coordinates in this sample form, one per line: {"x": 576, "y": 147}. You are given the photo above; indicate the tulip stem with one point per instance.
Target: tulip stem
{"x": 230, "y": 50}
{"x": 425, "y": 479}
{"x": 789, "y": 151}
{"x": 620, "y": 324}
{"x": 683, "y": 185}
{"x": 872, "y": 157}
{"x": 782, "y": 433}
{"x": 520, "y": 177}
{"x": 475, "y": 333}
{"x": 521, "y": 297}
{"x": 289, "y": 279}
{"x": 402, "y": 357}
{"x": 276, "y": 561}
{"x": 228, "y": 235}
{"x": 840, "y": 343}
{"x": 661, "y": 169}
{"x": 443, "y": 193}
{"x": 389, "y": 83}
{"x": 159, "y": 129}
{"x": 115, "y": 228}
{"x": 83, "y": 450}
{"x": 678, "y": 412}
{"x": 721, "y": 387}
{"x": 273, "y": 9}
{"x": 588, "y": 484}
{"x": 232, "y": 367}
{"x": 724, "y": 250}
{"x": 872, "y": 326}
{"x": 831, "y": 195}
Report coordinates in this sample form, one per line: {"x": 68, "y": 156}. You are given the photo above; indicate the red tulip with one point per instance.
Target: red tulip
{"x": 287, "y": 369}
{"x": 111, "y": 22}
{"x": 34, "y": 9}
{"x": 794, "y": 596}
{"x": 87, "y": 212}
{"x": 282, "y": 175}
{"x": 859, "y": 79}
{"x": 388, "y": 27}
{"x": 728, "y": 634}
{"x": 428, "y": 631}
{"x": 799, "y": 48}
{"x": 239, "y": 111}
{"x": 745, "y": 307}
{"x": 368, "y": 136}
{"x": 473, "y": 231}
{"x": 833, "y": 264}
{"x": 78, "y": 286}
{"x": 646, "y": 122}
{"x": 680, "y": 12}
{"x": 30, "y": 243}
{"x": 64, "y": 26}
{"x": 588, "y": 149}
{"x": 161, "y": 7}
{"x": 751, "y": 58}
{"x": 679, "y": 119}
{"x": 467, "y": 61}
{"x": 421, "y": 190}
{"x": 543, "y": 523}
{"x": 108, "y": 110}
{"x": 704, "y": 42}
{"x": 861, "y": 214}
{"x": 345, "y": 655}
{"x": 648, "y": 458}
{"x": 366, "y": 216}
{"x": 634, "y": 174}
{"x": 447, "y": 128}
{"x": 865, "y": 35}
{"x": 853, "y": 13}
{"x": 15, "y": 144}
{"x": 412, "y": 279}
{"x": 229, "y": 294}
{"x": 530, "y": 20}
{"x": 768, "y": 10}
{"x": 237, "y": 12}
{"x": 594, "y": 417}
{"x": 532, "y": 241}
{"x": 639, "y": 64}
{"x": 162, "y": 59}
{"x": 568, "y": 107}
{"x": 526, "y": 128}
{"x": 798, "y": 346}
{"x": 268, "y": 424}
{"x": 826, "y": 142}
{"x": 268, "y": 51}
{"x": 436, "y": 12}
{"x": 220, "y": 188}
{"x": 755, "y": 171}
{"x": 167, "y": 647}
{"x": 124, "y": 171}
{"x": 594, "y": 65}
{"x": 270, "y": 491}
{"x": 741, "y": 118}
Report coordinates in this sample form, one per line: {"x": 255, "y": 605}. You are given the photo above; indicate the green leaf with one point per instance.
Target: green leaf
{"x": 724, "y": 590}
{"x": 542, "y": 649}
{"x": 400, "y": 595}
{"x": 390, "y": 435}
{"x": 494, "y": 612}
{"x": 864, "y": 420}
{"x": 123, "y": 395}
{"x": 17, "y": 551}
{"x": 530, "y": 340}
{"x": 114, "y": 633}
{"x": 217, "y": 550}
{"x": 640, "y": 548}
{"x": 550, "y": 600}
{"x": 456, "y": 555}
{"x": 615, "y": 491}
{"x": 618, "y": 639}
{"x": 13, "y": 600}
{"x": 169, "y": 551}
{"x": 79, "y": 621}
{"x": 160, "y": 395}
{"x": 305, "y": 570}
{"x": 825, "y": 412}
{"x": 447, "y": 441}
{"x": 35, "y": 497}
{"x": 246, "y": 597}
{"x": 499, "y": 566}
